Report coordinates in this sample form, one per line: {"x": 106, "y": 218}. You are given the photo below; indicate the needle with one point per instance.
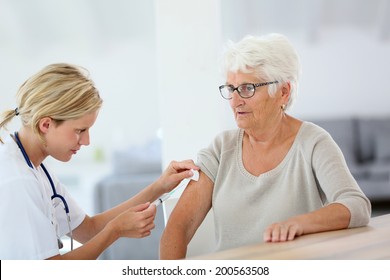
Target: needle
{"x": 165, "y": 196}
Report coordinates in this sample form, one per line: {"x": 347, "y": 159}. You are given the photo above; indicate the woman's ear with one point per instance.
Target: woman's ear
{"x": 44, "y": 124}
{"x": 286, "y": 89}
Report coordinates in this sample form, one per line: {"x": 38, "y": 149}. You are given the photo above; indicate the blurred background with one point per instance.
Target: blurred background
{"x": 156, "y": 64}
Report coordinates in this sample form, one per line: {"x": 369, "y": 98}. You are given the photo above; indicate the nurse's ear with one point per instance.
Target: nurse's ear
{"x": 44, "y": 124}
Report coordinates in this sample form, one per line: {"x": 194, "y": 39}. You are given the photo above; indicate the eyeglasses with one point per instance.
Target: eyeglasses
{"x": 244, "y": 90}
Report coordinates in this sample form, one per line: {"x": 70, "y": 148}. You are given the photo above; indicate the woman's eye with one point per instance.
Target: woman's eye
{"x": 247, "y": 87}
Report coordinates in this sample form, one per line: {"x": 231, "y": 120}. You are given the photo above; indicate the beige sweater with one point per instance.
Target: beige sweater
{"x": 313, "y": 174}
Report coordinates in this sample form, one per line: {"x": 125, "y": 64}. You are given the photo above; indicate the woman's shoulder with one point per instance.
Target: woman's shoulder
{"x": 8, "y": 152}
{"x": 311, "y": 129}
{"x": 13, "y": 165}
{"x": 312, "y": 136}
{"x": 228, "y": 137}
{"x": 224, "y": 140}
{"x": 228, "y": 134}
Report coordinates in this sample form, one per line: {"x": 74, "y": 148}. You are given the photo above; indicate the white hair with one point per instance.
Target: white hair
{"x": 271, "y": 57}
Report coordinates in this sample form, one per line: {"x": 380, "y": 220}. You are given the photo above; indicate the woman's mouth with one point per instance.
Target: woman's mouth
{"x": 241, "y": 113}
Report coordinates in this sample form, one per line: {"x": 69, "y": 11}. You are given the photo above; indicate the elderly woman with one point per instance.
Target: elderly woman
{"x": 275, "y": 177}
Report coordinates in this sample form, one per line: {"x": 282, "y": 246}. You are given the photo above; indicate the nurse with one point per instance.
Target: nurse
{"x": 57, "y": 106}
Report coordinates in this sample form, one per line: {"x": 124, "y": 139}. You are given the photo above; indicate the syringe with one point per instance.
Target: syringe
{"x": 165, "y": 196}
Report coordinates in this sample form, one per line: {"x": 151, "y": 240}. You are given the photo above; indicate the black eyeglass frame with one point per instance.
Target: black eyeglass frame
{"x": 239, "y": 89}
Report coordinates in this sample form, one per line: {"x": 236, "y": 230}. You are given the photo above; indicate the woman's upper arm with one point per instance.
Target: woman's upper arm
{"x": 193, "y": 206}
{"x": 337, "y": 182}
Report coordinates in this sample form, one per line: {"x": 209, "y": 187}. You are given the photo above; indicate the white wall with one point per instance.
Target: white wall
{"x": 188, "y": 41}
{"x": 344, "y": 74}
{"x": 114, "y": 40}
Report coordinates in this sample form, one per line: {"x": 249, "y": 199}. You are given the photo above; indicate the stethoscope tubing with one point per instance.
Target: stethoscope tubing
{"x": 55, "y": 194}
{"x": 27, "y": 159}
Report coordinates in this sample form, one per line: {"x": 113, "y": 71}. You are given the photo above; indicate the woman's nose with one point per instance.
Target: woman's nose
{"x": 236, "y": 99}
{"x": 84, "y": 140}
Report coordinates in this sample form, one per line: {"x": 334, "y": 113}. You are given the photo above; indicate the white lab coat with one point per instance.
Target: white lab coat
{"x": 28, "y": 217}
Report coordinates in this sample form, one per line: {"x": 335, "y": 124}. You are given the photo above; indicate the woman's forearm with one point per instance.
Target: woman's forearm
{"x": 173, "y": 245}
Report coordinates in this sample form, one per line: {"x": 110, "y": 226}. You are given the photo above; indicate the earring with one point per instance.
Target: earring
{"x": 283, "y": 107}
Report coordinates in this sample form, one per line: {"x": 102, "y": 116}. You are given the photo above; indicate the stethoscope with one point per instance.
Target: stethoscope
{"x": 55, "y": 194}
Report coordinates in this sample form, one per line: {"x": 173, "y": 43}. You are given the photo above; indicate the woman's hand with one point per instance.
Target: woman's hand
{"x": 284, "y": 231}
{"x": 331, "y": 217}
{"x": 136, "y": 222}
{"x": 175, "y": 173}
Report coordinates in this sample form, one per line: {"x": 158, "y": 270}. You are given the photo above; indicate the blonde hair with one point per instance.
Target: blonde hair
{"x": 60, "y": 91}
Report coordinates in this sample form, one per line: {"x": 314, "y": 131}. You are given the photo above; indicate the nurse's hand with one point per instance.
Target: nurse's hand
{"x": 136, "y": 222}
{"x": 175, "y": 173}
